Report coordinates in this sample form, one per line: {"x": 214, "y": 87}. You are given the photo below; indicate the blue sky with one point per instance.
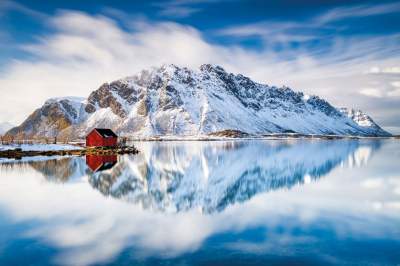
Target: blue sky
{"x": 345, "y": 51}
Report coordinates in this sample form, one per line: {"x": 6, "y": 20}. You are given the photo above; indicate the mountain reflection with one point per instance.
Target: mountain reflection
{"x": 209, "y": 176}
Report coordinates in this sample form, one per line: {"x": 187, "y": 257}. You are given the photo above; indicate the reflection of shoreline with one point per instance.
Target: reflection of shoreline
{"x": 58, "y": 169}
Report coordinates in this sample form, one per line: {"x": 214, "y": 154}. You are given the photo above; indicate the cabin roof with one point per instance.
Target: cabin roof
{"x": 106, "y": 132}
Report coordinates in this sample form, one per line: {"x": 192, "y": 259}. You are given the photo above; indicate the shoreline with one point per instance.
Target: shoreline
{"x": 18, "y": 153}
{"x": 258, "y": 138}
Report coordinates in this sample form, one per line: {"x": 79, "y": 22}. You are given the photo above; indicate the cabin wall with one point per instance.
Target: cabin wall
{"x": 110, "y": 142}
{"x": 94, "y": 139}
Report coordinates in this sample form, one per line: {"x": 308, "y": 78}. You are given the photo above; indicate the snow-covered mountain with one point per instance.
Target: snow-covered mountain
{"x": 170, "y": 100}
{"x": 361, "y": 119}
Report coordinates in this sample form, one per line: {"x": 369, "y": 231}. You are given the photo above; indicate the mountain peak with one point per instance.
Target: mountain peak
{"x": 358, "y": 116}
{"x": 72, "y": 99}
{"x": 170, "y": 68}
{"x": 212, "y": 68}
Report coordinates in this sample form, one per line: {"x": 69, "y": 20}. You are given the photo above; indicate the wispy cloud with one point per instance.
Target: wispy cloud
{"x": 179, "y": 11}
{"x": 183, "y": 8}
{"x": 357, "y": 11}
{"x": 318, "y": 27}
{"x": 272, "y": 31}
{"x": 180, "y": 8}
{"x": 8, "y": 5}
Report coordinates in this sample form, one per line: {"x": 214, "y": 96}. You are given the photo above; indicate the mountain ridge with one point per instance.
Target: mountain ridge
{"x": 178, "y": 101}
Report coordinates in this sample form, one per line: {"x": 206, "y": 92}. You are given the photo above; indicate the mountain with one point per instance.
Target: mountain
{"x": 54, "y": 117}
{"x": 4, "y": 127}
{"x": 170, "y": 100}
{"x": 362, "y": 119}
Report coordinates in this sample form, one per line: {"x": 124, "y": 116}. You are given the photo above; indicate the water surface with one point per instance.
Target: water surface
{"x": 254, "y": 202}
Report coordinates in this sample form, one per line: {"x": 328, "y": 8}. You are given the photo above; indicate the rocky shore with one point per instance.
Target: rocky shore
{"x": 19, "y": 153}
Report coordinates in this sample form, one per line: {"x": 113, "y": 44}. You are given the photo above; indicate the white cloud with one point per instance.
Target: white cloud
{"x": 372, "y": 183}
{"x": 384, "y": 70}
{"x": 374, "y": 70}
{"x": 380, "y": 93}
{"x": 371, "y": 92}
{"x": 394, "y": 93}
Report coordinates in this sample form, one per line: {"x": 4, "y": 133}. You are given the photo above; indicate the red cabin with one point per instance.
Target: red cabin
{"x": 101, "y": 137}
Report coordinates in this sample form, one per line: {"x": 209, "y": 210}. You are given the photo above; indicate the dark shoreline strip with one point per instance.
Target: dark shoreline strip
{"x": 18, "y": 153}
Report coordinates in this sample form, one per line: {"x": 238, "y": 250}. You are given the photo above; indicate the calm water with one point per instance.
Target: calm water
{"x": 206, "y": 203}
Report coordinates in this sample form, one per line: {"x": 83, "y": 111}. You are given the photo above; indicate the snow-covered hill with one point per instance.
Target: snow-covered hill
{"x": 170, "y": 100}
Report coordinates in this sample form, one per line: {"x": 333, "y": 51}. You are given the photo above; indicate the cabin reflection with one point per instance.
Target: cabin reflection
{"x": 98, "y": 163}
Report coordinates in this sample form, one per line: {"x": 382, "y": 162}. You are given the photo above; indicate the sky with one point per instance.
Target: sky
{"x": 347, "y": 52}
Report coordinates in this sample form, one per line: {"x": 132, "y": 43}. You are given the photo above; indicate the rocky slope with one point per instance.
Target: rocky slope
{"x": 55, "y": 116}
{"x": 170, "y": 100}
